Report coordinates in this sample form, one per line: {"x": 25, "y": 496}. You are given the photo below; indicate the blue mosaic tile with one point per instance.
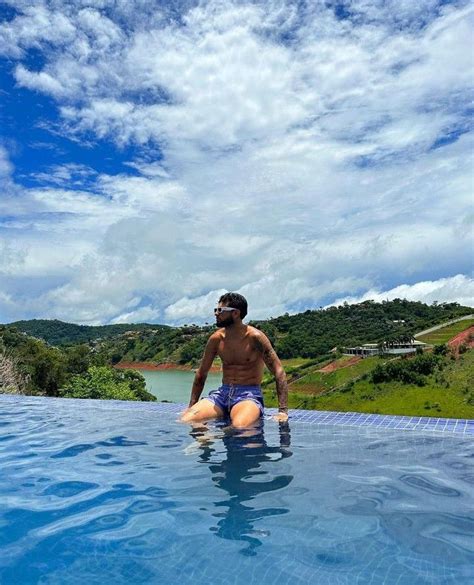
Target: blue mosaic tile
{"x": 418, "y": 423}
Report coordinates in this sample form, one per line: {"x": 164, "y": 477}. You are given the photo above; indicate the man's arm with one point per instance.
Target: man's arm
{"x": 201, "y": 373}
{"x": 274, "y": 365}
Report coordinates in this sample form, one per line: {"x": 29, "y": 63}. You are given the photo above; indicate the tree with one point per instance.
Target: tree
{"x": 47, "y": 369}
{"x": 77, "y": 359}
{"x": 107, "y": 384}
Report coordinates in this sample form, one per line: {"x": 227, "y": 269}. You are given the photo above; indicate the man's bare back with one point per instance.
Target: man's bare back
{"x": 244, "y": 351}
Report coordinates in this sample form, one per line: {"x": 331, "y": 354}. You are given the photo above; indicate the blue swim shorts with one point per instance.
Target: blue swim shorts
{"x": 228, "y": 395}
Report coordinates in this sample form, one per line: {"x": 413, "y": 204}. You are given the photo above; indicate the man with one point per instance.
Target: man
{"x": 244, "y": 351}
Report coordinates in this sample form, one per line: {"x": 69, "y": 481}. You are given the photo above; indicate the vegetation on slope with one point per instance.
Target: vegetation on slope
{"x": 306, "y": 335}
{"x": 438, "y": 384}
{"x": 319, "y": 382}
{"x": 444, "y": 334}
{"x": 427, "y": 385}
{"x": 446, "y": 393}
{"x": 35, "y": 368}
{"x": 107, "y": 384}
{"x": 57, "y": 332}
{"x": 313, "y": 333}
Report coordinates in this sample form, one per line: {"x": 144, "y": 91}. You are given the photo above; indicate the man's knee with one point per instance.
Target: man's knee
{"x": 241, "y": 422}
{"x": 200, "y": 412}
{"x": 245, "y": 416}
{"x": 187, "y": 416}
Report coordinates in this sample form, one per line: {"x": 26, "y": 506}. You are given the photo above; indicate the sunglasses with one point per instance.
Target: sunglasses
{"x": 219, "y": 310}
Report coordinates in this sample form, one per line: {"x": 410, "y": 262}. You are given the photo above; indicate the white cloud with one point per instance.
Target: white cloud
{"x": 6, "y": 166}
{"x": 41, "y": 81}
{"x": 36, "y": 25}
{"x": 143, "y": 315}
{"x": 455, "y": 289}
{"x": 188, "y": 309}
{"x": 295, "y": 159}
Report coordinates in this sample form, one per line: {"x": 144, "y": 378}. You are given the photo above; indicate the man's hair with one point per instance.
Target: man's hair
{"x": 235, "y": 300}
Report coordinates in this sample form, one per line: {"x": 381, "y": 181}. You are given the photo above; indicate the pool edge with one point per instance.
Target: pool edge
{"x": 321, "y": 417}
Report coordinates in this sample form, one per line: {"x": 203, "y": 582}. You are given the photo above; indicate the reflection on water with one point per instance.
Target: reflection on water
{"x": 243, "y": 476}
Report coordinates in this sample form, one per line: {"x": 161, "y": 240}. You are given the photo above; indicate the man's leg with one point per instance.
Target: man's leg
{"x": 245, "y": 413}
{"x": 202, "y": 410}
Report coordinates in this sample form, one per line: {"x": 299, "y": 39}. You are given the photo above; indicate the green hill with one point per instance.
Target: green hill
{"x": 315, "y": 332}
{"x": 31, "y": 366}
{"x": 421, "y": 385}
{"x": 305, "y": 335}
{"x": 60, "y": 333}
{"x": 447, "y": 393}
{"x": 445, "y": 390}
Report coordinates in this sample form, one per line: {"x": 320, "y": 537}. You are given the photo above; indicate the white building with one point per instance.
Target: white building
{"x": 369, "y": 349}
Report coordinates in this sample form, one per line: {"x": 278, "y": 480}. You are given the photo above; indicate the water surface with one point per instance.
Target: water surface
{"x": 99, "y": 494}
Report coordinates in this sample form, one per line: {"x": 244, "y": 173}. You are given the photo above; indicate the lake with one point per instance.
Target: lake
{"x": 175, "y": 385}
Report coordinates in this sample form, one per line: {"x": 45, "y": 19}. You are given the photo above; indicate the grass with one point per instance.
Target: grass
{"x": 296, "y": 367}
{"x": 295, "y": 362}
{"x": 302, "y": 392}
{"x": 446, "y": 333}
{"x": 447, "y": 393}
{"x": 317, "y": 382}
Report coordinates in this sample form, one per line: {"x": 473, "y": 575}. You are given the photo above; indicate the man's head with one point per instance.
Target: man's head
{"x": 231, "y": 307}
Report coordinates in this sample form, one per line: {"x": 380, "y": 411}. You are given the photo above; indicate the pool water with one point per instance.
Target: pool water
{"x": 94, "y": 494}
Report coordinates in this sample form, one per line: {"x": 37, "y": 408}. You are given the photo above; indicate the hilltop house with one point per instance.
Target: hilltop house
{"x": 392, "y": 348}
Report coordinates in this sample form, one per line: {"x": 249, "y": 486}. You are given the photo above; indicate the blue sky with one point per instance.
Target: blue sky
{"x": 154, "y": 155}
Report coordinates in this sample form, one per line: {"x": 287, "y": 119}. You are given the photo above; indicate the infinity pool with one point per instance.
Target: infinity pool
{"x": 92, "y": 494}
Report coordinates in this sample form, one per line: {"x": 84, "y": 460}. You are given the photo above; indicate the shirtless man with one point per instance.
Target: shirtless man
{"x": 244, "y": 351}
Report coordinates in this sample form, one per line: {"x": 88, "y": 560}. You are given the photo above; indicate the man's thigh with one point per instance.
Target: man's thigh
{"x": 202, "y": 410}
{"x": 245, "y": 413}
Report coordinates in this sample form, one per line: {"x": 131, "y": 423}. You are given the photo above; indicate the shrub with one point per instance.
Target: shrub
{"x": 441, "y": 349}
{"x": 347, "y": 387}
{"x": 407, "y": 371}
{"x": 107, "y": 384}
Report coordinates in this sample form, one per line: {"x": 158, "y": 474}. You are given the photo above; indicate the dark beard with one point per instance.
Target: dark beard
{"x": 225, "y": 322}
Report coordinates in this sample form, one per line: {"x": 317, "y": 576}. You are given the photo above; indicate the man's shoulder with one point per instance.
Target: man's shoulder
{"x": 255, "y": 333}
{"x": 217, "y": 335}
{"x": 251, "y": 330}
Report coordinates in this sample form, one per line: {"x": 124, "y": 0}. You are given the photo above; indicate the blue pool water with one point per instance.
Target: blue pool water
{"x": 95, "y": 494}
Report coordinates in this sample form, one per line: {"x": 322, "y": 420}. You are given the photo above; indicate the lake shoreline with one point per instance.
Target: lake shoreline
{"x": 160, "y": 367}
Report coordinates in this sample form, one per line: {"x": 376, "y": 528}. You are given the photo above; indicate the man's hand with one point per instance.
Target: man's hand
{"x": 280, "y": 417}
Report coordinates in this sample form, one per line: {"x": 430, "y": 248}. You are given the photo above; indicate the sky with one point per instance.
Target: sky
{"x": 154, "y": 155}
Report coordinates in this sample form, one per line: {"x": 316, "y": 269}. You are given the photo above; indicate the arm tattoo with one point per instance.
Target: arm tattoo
{"x": 269, "y": 356}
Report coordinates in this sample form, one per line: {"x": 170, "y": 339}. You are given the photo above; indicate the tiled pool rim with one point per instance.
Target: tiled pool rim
{"x": 317, "y": 417}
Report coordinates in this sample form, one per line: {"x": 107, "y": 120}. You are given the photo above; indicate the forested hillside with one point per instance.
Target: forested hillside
{"x": 307, "y": 334}
{"x": 315, "y": 332}
{"x": 433, "y": 384}
{"x": 31, "y": 366}
{"x": 60, "y": 333}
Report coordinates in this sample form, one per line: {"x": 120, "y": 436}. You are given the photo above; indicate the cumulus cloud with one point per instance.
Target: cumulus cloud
{"x": 456, "y": 289}
{"x": 297, "y": 156}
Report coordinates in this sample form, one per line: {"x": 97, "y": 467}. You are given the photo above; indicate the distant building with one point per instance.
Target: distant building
{"x": 392, "y": 348}
{"x": 130, "y": 334}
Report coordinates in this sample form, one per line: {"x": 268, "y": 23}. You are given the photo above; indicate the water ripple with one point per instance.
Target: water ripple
{"x": 73, "y": 451}
{"x": 430, "y": 486}
{"x": 66, "y": 489}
